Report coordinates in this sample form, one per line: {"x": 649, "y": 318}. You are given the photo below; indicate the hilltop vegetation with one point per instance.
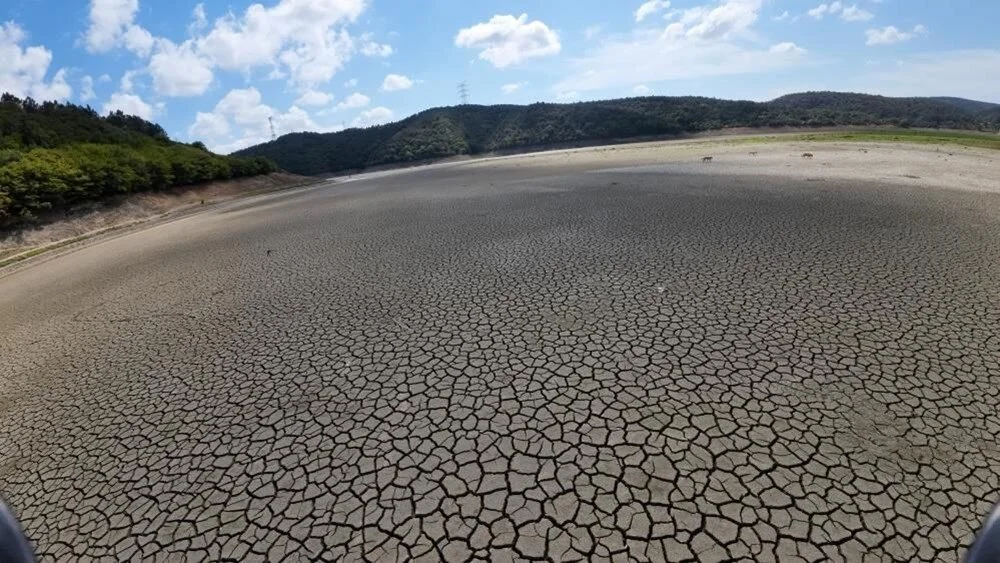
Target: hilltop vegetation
{"x": 54, "y": 156}
{"x": 471, "y": 129}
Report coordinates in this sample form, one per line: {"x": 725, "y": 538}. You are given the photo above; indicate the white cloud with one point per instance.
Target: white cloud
{"x": 649, "y": 8}
{"x": 567, "y": 96}
{"x": 177, "y": 70}
{"x": 355, "y": 100}
{"x": 855, "y": 14}
{"x": 784, "y": 16}
{"x": 729, "y": 19}
{"x": 592, "y": 31}
{"x": 109, "y": 20}
{"x": 129, "y": 104}
{"x": 787, "y": 47}
{"x": 198, "y": 18}
{"x": 138, "y": 40}
{"x": 823, "y": 9}
{"x": 705, "y": 41}
{"x": 394, "y": 82}
{"x": 850, "y": 13}
{"x": 512, "y": 87}
{"x": 641, "y": 90}
{"x": 87, "y": 89}
{"x": 209, "y": 126}
{"x": 23, "y": 69}
{"x": 127, "y": 81}
{"x": 300, "y": 35}
{"x": 314, "y": 98}
{"x": 374, "y": 116}
{"x": 104, "y": 78}
{"x": 371, "y": 48}
{"x": 351, "y": 83}
{"x": 245, "y": 109}
{"x": 505, "y": 40}
{"x": 890, "y": 34}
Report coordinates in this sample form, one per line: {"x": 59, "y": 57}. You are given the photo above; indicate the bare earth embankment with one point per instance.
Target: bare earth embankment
{"x": 133, "y": 211}
{"x": 604, "y": 354}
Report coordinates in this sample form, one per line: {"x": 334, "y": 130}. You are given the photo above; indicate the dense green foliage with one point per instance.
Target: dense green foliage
{"x": 53, "y": 156}
{"x": 470, "y": 129}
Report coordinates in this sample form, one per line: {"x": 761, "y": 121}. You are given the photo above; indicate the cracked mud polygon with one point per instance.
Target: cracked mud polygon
{"x": 515, "y": 365}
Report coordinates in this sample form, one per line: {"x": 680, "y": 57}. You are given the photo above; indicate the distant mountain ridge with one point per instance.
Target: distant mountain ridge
{"x": 472, "y": 129}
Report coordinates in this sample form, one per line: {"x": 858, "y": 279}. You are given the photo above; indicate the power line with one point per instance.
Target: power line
{"x": 463, "y": 92}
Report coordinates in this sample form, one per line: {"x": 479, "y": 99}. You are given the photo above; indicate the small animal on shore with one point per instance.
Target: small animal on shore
{"x": 753, "y": 153}
{"x": 807, "y": 155}
{"x": 706, "y": 159}
{"x": 864, "y": 150}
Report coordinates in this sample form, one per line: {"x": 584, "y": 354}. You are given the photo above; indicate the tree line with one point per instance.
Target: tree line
{"x": 472, "y": 129}
{"x": 54, "y": 156}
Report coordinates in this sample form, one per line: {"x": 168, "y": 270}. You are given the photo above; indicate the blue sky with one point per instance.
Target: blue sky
{"x": 216, "y": 72}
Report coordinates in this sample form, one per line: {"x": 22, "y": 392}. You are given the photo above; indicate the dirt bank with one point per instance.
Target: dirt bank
{"x": 134, "y": 209}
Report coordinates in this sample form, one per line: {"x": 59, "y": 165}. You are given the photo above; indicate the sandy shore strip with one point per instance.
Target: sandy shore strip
{"x": 943, "y": 166}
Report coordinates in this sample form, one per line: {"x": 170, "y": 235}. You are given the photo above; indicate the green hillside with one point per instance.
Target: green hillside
{"x": 54, "y": 156}
{"x": 471, "y": 129}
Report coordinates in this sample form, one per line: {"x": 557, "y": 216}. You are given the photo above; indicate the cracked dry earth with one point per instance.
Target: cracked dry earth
{"x": 515, "y": 364}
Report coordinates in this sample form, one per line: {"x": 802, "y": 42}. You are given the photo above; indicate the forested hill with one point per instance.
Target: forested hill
{"x": 53, "y": 156}
{"x": 471, "y": 129}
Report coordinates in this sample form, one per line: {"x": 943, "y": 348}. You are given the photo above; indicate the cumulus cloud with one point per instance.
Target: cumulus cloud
{"x": 87, "y": 89}
{"x": 850, "y": 13}
{"x": 209, "y": 126}
{"x": 178, "y": 70}
{"x": 780, "y": 18}
{"x": 890, "y": 34}
{"x": 641, "y": 90}
{"x": 855, "y": 14}
{"x": 302, "y": 37}
{"x": 729, "y": 19}
{"x": 129, "y": 104}
{"x": 355, "y": 100}
{"x": 23, "y": 69}
{"x": 374, "y": 116}
{"x": 351, "y": 83}
{"x": 394, "y": 82}
{"x": 649, "y": 8}
{"x": 241, "y": 119}
{"x": 303, "y": 41}
{"x": 138, "y": 40}
{"x": 108, "y": 21}
{"x": 314, "y": 98}
{"x": 506, "y": 40}
{"x": 709, "y": 40}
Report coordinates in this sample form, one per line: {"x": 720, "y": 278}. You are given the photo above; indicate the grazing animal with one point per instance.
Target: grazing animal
{"x": 753, "y": 153}
{"x": 706, "y": 159}
{"x": 807, "y": 155}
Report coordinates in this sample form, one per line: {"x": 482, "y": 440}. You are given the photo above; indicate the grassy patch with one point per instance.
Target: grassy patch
{"x": 978, "y": 140}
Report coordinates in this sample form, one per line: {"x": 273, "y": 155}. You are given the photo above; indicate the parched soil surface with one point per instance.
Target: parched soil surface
{"x": 607, "y": 354}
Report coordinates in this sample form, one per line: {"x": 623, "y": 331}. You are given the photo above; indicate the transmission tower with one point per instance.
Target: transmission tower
{"x": 274, "y": 134}
{"x": 463, "y": 92}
